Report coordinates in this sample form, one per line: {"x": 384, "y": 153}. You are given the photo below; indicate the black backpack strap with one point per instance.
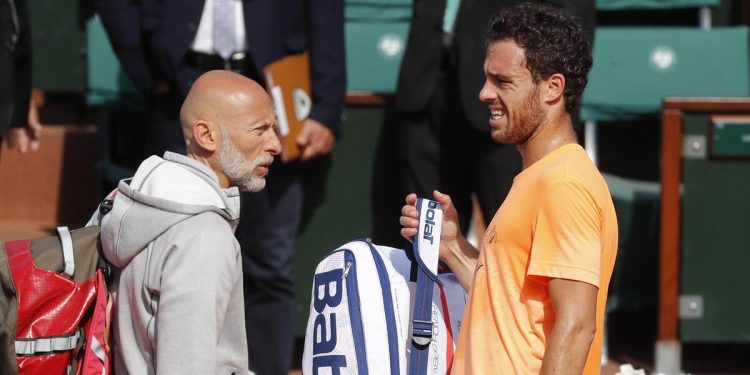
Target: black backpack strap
{"x": 104, "y": 208}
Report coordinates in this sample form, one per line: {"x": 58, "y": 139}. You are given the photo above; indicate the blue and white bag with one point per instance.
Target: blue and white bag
{"x": 376, "y": 310}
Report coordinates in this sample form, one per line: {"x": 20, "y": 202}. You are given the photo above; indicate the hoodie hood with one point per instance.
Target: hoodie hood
{"x": 162, "y": 193}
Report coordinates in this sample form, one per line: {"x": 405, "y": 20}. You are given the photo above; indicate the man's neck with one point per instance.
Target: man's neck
{"x": 220, "y": 175}
{"x": 554, "y": 132}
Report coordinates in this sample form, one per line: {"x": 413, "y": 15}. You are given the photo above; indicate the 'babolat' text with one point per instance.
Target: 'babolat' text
{"x": 429, "y": 222}
{"x": 324, "y": 334}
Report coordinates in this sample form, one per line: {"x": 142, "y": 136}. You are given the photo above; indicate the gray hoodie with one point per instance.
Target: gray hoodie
{"x": 178, "y": 274}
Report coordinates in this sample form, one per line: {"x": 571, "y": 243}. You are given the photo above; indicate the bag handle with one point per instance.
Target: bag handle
{"x": 426, "y": 249}
{"x": 67, "y": 248}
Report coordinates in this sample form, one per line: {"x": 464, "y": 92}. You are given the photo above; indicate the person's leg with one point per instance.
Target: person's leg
{"x": 455, "y": 168}
{"x": 269, "y": 223}
{"x": 487, "y": 167}
{"x": 6, "y": 88}
{"x": 419, "y": 149}
{"x": 429, "y": 149}
{"x": 386, "y": 185}
{"x": 493, "y": 168}
{"x": 166, "y": 130}
{"x": 165, "y": 124}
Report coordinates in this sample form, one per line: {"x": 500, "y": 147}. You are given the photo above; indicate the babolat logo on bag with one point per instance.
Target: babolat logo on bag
{"x": 368, "y": 316}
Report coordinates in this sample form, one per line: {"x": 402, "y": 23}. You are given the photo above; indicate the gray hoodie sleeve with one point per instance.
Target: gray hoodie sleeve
{"x": 200, "y": 299}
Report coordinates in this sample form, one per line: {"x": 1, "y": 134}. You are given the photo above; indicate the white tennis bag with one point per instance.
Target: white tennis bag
{"x": 380, "y": 310}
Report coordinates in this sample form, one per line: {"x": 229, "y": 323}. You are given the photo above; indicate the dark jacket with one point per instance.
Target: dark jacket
{"x": 152, "y": 38}
{"x": 422, "y": 59}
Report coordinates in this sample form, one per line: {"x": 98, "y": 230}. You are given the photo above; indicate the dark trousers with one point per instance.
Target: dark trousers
{"x": 165, "y": 124}
{"x": 269, "y": 223}
{"x": 8, "y": 72}
{"x": 6, "y": 88}
{"x": 441, "y": 150}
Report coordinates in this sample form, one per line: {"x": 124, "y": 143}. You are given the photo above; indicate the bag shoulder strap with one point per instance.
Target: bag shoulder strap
{"x": 425, "y": 247}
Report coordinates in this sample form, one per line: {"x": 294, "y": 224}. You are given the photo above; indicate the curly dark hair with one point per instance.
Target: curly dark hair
{"x": 554, "y": 42}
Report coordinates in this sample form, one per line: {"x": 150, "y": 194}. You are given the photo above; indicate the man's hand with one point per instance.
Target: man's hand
{"x": 27, "y": 137}
{"x": 410, "y": 220}
{"x": 455, "y": 251}
{"x": 314, "y": 140}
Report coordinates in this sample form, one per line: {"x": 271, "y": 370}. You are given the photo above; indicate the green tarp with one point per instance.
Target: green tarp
{"x": 635, "y": 68}
{"x": 373, "y": 55}
{"x": 652, "y": 4}
{"x": 378, "y": 10}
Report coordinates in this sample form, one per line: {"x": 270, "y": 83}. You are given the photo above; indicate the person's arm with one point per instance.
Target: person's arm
{"x": 461, "y": 257}
{"x": 315, "y": 139}
{"x": 575, "y": 325}
{"x": 123, "y": 21}
{"x": 25, "y": 129}
{"x": 25, "y": 136}
{"x": 196, "y": 283}
{"x": 328, "y": 78}
{"x": 455, "y": 251}
{"x": 566, "y": 255}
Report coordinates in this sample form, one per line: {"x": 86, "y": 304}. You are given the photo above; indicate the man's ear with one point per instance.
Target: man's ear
{"x": 206, "y": 136}
{"x": 555, "y": 85}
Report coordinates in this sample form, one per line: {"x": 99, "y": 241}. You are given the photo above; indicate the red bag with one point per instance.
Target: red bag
{"x": 61, "y": 319}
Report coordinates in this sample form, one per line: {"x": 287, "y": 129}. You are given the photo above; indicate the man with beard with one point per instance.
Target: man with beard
{"x": 179, "y": 304}
{"x": 165, "y": 45}
{"x": 538, "y": 285}
{"x": 443, "y": 135}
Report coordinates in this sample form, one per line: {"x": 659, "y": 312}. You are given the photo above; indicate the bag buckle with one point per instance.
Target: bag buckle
{"x": 421, "y": 332}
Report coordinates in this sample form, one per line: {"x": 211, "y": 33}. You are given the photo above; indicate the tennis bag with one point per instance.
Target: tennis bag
{"x": 382, "y": 310}
{"x": 54, "y": 308}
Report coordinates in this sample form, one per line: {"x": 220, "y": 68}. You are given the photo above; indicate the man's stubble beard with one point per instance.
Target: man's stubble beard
{"x": 240, "y": 170}
{"x": 524, "y": 122}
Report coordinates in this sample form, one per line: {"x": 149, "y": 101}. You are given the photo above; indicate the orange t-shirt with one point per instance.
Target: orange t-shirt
{"x": 558, "y": 221}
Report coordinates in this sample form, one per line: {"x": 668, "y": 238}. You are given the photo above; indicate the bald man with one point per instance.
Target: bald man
{"x": 179, "y": 305}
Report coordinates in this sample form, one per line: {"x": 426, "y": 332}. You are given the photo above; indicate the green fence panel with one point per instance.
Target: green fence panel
{"x": 715, "y": 249}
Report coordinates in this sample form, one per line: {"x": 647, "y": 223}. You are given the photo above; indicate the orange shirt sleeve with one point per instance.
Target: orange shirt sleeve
{"x": 566, "y": 241}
